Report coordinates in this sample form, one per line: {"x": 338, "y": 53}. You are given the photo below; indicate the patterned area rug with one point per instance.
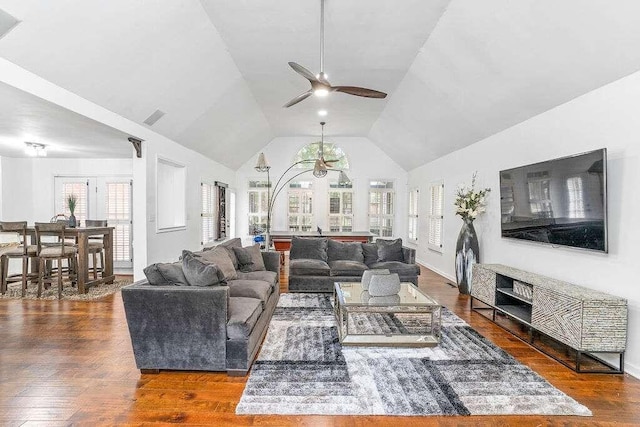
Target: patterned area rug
{"x": 69, "y": 292}
{"x": 303, "y": 369}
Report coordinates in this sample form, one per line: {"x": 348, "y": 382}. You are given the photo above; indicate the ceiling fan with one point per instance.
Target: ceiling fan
{"x": 320, "y": 86}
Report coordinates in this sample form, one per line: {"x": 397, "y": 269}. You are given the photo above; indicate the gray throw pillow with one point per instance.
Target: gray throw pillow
{"x": 249, "y": 259}
{"x": 351, "y": 251}
{"x": 390, "y": 250}
{"x": 370, "y": 252}
{"x": 220, "y": 257}
{"x": 308, "y": 248}
{"x": 199, "y": 273}
{"x": 165, "y": 274}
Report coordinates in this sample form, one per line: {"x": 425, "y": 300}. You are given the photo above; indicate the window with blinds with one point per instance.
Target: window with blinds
{"x": 80, "y": 189}
{"x": 258, "y": 201}
{"x": 381, "y": 208}
{"x": 207, "y": 212}
{"x": 436, "y": 217}
{"x": 413, "y": 215}
{"x": 301, "y": 206}
{"x": 340, "y": 206}
{"x": 118, "y": 209}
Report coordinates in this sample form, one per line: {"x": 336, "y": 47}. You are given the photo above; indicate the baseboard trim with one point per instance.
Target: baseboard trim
{"x": 436, "y": 270}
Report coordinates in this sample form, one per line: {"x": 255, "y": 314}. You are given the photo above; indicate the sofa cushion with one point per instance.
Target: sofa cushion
{"x": 308, "y": 267}
{"x": 390, "y": 250}
{"x": 165, "y": 274}
{"x": 228, "y": 245}
{"x": 199, "y": 273}
{"x": 251, "y": 289}
{"x": 351, "y": 251}
{"x": 249, "y": 259}
{"x": 370, "y": 252}
{"x": 220, "y": 258}
{"x": 347, "y": 268}
{"x": 308, "y": 248}
{"x": 266, "y": 276}
{"x": 243, "y": 316}
{"x": 397, "y": 267}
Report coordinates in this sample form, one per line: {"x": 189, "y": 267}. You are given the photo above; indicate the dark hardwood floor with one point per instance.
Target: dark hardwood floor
{"x": 70, "y": 363}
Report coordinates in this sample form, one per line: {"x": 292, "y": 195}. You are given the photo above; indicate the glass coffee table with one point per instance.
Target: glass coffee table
{"x": 408, "y": 319}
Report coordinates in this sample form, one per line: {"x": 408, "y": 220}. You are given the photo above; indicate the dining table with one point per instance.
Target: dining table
{"x": 81, "y": 236}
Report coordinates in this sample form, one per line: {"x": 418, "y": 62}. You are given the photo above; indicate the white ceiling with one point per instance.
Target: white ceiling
{"x": 456, "y": 71}
{"x": 25, "y": 117}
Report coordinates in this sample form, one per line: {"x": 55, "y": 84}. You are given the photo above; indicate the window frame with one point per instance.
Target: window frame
{"x": 304, "y": 195}
{"x": 413, "y": 225}
{"x": 207, "y": 212}
{"x": 382, "y": 216}
{"x": 334, "y": 187}
{"x": 436, "y": 216}
{"x": 263, "y": 196}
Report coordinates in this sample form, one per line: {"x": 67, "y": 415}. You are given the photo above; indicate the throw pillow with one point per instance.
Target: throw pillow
{"x": 165, "y": 274}
{"x": 220, "y": 257}
{"x": 370, "y": 252}
{"x": 199, "y": 273}
{"x": 390, "y": 250}
{"x": 308, "y": 248}
{"x": 249, "y": 259}
{"x": 351, "y": 251}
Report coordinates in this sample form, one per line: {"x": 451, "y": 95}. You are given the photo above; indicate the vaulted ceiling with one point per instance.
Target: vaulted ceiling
{"x": 456, "y": 71}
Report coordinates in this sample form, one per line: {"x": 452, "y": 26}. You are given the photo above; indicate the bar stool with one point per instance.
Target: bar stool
{"x": 59, "y": 251}
{"x": 21, "y": 250}
{"x": 95, "y": 246}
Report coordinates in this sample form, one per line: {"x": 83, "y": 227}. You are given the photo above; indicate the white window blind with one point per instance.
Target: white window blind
{"x": 340, "y": 206}
{"x": 576, "y": 197}
{"x": 258, "y": 201}
{"x": 436, "y": 218}
{"x": 413, "y": 215}
{"x": 207, "y": 220}
{"x": 381, "y": 208}
{"x": 119, "y": 216}
{"x": 301, "y": 206}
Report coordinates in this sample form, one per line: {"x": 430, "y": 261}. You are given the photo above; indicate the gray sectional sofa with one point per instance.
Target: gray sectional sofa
{"x": 315, "y": 263}
{"x": 218, "y": 327}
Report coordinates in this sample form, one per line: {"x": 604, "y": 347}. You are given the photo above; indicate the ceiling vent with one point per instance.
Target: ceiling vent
{"x": 157, "y": 115}
{"x": 7, "y": 23}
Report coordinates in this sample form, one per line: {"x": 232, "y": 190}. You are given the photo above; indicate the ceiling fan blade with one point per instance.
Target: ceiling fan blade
{"x": 298, "y": 98}
{"x": 360, "y": 91}
{"x": 303, "y": 72}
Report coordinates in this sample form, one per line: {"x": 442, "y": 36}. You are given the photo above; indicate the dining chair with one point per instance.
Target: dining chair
{"x": 95, "y": 246}
{"x": 59, "y": 251}
{"x": 20, "y": 250}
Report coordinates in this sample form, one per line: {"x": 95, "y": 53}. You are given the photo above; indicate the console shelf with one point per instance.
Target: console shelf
{"x": 554, "y": 313}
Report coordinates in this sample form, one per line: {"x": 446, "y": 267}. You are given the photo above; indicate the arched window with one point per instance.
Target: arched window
{"x": 331, "y": 153}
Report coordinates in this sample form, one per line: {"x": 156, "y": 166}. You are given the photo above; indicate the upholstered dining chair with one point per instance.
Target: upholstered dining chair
{"x": 20, "y": 250}
{"x": 59, "y": 251}
{"x": 95, "y": 247}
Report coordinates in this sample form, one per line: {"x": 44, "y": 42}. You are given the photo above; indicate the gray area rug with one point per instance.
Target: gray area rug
{"x": 303, "y": 369}
{"x": 14, "y": 291}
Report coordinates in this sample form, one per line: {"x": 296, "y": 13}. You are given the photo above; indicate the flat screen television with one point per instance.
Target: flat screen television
{"x": 558, "y": 202}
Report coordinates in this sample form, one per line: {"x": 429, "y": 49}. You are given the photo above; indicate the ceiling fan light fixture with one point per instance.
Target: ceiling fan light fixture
{"x": 322, "y": 92}
{"x": 322, "y": 113}
{"x": 320, "y": 169}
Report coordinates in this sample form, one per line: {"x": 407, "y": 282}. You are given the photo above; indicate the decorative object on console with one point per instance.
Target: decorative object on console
{"x": 469, "y": 204}
{"x": 320, "y": 168}
{"x": 368, "y": 274}
{"x": 72, "y": 200}
{"x": 384, "y": 285}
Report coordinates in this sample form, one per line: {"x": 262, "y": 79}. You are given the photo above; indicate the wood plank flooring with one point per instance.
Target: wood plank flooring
{"x": 70, "y": 363}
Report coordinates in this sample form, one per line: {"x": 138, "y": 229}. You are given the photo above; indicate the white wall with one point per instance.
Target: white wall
{"x": 366, "y": 162}
{"x": 28, "y": 183}
{"x": 167, "y": 246}
{"x": 607, "y": 117}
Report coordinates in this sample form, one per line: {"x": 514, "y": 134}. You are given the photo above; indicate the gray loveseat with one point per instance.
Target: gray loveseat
{"x": 212, "y": 328}
{"x": 315, "y": 263}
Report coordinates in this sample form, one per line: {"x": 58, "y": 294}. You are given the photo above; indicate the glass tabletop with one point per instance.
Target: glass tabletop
{"x": 352, "y": 293}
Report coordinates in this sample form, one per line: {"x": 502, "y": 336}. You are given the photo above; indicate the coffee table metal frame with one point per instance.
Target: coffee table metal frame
{"x": 348, "y": 300}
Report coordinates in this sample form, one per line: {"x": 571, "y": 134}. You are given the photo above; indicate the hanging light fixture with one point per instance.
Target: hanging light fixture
{"x": 34, "y": 149}
{"x": 343, "y": 179}
{"x": 262, "y": 165}
{"x": 320, "y": 167}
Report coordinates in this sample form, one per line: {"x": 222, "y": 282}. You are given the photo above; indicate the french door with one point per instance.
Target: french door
{"x": 100, "y": 198}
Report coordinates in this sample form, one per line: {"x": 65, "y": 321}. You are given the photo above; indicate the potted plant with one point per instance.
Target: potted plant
{"x": 72, "y": 201}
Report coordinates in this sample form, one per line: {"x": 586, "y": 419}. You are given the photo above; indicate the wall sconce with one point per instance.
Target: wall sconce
{"x": 34, "y": 149}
